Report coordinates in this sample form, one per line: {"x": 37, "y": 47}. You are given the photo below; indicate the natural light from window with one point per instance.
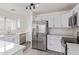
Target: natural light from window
{"x": 9, "y": 24}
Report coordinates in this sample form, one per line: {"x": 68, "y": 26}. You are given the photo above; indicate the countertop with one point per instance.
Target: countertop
{"x": 8, "y": 48}
{"x": 11, "y": 34}
{"x": 64, "y": 35}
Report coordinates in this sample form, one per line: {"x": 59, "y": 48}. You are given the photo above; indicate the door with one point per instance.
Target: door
{"x": 42, "y": 41}
{"x": 34, "y": 39}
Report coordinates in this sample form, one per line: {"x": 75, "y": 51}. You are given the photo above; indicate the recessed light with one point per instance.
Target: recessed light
{"x": 13, "y": 9}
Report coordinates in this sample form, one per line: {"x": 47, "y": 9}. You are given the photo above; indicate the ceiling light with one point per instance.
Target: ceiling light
{"x": 32, "y": 6}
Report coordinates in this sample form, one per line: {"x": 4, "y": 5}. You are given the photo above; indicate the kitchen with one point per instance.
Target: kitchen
{"x": 62, "y": 26}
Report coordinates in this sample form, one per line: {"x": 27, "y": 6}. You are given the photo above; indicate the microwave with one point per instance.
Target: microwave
{"x": 73, "y": 20}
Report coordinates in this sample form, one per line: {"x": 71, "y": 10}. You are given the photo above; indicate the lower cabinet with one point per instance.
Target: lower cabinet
{"x": 54, "y": 43}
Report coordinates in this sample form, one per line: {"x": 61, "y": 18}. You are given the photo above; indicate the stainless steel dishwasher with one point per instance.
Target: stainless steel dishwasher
{"x": 22, "y": 38}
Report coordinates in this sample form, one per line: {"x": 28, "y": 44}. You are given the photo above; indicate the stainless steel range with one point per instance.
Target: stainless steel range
{"x": 39, "y": 35}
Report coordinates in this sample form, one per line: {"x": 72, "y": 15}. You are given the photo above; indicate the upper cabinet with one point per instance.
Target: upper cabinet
{"x": 51, "y": 21}
{"x": 56, "y": 21}
{"x": 65, "y": 20}
{"x": 59, "y": 21}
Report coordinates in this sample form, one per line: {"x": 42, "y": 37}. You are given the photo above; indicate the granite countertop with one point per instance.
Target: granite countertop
{"x": 8, "y": 48}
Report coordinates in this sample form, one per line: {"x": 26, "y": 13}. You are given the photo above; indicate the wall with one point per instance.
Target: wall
{"x": 64, "y": 31}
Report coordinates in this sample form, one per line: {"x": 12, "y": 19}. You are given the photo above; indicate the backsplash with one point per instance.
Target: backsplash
{"x": 64, "y": 31}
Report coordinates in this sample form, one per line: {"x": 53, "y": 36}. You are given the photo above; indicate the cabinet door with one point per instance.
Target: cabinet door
{"x": 54, "y": 43}
{"x": 51, "y": 43}
{"x": 50, "y": 21}
{"x": 65, "y": 18}
{"x": 57, "y": 20}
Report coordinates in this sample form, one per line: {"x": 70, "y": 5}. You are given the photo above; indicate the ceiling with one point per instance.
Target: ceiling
{"x": 42, "y": 8}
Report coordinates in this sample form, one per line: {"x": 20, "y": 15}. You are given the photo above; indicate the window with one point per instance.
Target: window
{"x": 9, "y": 24}
{"x": 1, "y": 23}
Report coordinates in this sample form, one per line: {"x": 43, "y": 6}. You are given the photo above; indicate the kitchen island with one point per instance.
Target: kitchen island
{"x": 9, "y": 48}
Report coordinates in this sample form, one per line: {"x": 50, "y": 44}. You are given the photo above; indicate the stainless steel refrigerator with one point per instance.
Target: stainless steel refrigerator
{"x": 39, "y": 35}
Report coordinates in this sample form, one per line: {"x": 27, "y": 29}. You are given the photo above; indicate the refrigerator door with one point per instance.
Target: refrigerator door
{"x": 42, "y": 41}
{"x": 34, "y": 38}
{"x": 42, "y": 27}
{"x": 42, "y": 36}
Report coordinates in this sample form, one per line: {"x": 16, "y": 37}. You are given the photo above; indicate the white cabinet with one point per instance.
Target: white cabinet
{"x": 54, "y": 21}
{"x": 65, "y": 20}
{"x": 72, "y": 49}
{"x": 51, "y": 21}
{"x": 54, "y": 43}
{"x": 57, "y": 20}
